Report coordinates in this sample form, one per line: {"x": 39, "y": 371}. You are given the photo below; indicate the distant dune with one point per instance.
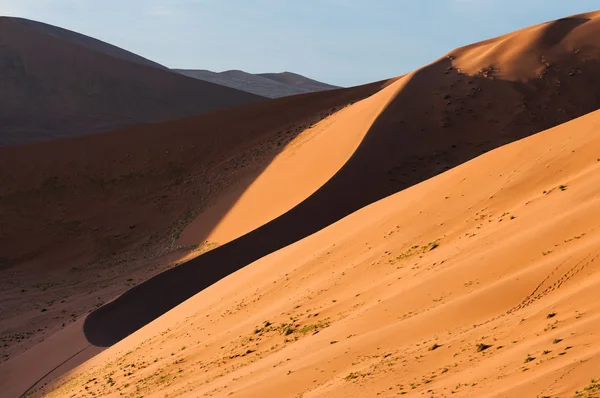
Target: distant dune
{"x": 56, "y": 83}
{"x": 270, "y": 85}
{"x": 435, "y": 233}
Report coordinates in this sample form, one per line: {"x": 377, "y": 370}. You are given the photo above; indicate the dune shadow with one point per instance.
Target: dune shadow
{"x": 439, "y": 120}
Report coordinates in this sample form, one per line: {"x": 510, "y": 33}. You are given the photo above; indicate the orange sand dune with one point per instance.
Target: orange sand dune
{"x": 117, "y": 213}
{"x": 396, "y": 298}
{"x": 305, "y": 165}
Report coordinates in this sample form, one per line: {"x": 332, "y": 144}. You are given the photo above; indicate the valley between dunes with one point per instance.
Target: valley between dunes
{"x": 436, "y": 234}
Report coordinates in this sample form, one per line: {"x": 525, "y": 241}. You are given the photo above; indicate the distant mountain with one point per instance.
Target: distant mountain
{"x": 299, "y": 81}
{"x": 56, "y": 83}
{"x": 270, "y": 85}
{"x": 88, "y": 42}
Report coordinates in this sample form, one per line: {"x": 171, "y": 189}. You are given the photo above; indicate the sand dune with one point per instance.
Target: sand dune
{"x": 54, "y": 85}
{"x": 316, "y": 281}
{"x": 501, "y": 251}
{"x": 266, "y": 85}
{"x": 304, "y": 165}
{"x": 79, "y": 230}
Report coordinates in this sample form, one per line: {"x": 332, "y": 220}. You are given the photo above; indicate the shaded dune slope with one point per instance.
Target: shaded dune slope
{"x": 169, "y": 168}
{"x": 53, "y": 87}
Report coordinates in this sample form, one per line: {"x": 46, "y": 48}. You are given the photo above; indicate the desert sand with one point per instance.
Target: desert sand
{"x": 433, "y": 234}
{"x": 402, "y": 296}
{"x": 79, "y": 230}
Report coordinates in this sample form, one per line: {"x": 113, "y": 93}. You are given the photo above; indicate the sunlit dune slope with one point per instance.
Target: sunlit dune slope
{"x": 302, "y": 167}
{"x": 479, "y": 282}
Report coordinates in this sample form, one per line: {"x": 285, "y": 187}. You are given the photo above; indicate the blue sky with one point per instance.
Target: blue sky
{"x": 344, "y": 42}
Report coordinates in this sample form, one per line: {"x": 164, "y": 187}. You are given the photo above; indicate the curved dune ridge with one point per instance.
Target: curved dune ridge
{"x": 301, "y": 168}
{"x": 349, "y": 242}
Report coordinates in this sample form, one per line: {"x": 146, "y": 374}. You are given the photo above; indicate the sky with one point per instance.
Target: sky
{"x": 342, "y": 42}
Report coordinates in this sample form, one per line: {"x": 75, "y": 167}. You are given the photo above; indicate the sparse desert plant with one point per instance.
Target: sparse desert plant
{"x": 355, "y": 375}
{"x": 562, "y": 187}
{"x": 431, "y": 246}
{"x": 556, "y": 341}
{"x": 286, "y": 329}
{"x": 550, "y": 326}
{"x": 551, "y": 315}
{"x": 482, "y": 347}
{"x": 529, "y": 359}
{"x": 308, "y": 328}
{"x": 434, "y": 347}
{"x": 591, "y": 391}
